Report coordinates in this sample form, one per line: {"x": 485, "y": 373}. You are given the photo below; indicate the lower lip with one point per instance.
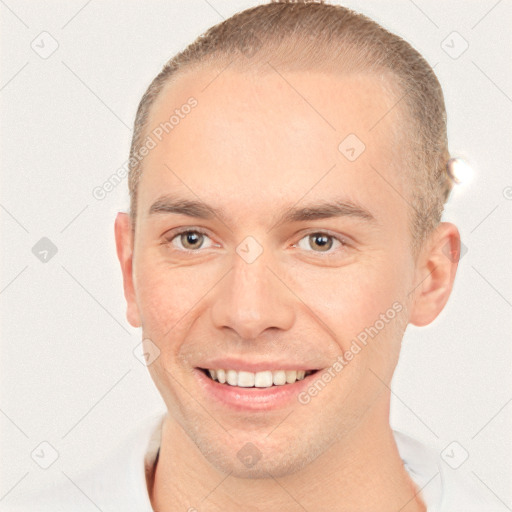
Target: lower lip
{"x": 252, "y": 399}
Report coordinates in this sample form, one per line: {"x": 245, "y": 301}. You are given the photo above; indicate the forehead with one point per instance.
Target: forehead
{"x": 281, "y": 134}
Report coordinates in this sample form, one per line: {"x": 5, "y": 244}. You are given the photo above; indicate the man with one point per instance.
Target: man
{"x": 288, "y": 175}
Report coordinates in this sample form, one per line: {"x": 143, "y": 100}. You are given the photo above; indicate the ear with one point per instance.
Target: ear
{"x": 435, "y": 271}
{"x": 124, "y": 246}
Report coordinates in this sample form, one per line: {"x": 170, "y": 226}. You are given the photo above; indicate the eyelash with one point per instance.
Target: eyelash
{"x": 342, "y": 243}
{"x": 176, "y": 234}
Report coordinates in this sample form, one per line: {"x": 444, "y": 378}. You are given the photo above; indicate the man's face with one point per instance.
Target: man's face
{"x": 252, "y": 291}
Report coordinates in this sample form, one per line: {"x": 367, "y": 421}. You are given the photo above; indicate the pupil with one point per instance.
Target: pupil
{"x": 322, "y": 241}
{"x": 191, "y": 239}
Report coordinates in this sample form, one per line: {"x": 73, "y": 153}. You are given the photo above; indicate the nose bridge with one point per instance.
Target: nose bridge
{"x": 252, "y": 299}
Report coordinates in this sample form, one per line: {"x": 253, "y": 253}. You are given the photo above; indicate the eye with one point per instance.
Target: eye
{"x": 323, "y": 241}
{"x": 189, "y": 240}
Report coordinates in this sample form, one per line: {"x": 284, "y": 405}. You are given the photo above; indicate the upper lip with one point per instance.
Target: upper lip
{"x": 253, "y": 366}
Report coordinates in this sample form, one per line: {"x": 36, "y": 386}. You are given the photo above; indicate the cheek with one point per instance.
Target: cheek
{"x": 351, "y": 299}
{"x": 169, "y": 297}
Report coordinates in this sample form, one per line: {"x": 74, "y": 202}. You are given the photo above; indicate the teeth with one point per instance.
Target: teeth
{"x": 291, "y": 376}
{"x": 279, "y": 378}
{"x": 245, "y": 379}
{"x": 232, "y": 377}
{"x": 263, "y": 379}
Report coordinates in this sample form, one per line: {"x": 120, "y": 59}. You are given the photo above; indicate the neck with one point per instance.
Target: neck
{"x": 361, "y": 471}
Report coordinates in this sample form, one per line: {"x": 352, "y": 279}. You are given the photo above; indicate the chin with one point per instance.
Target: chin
{"x": 257, "y": 459}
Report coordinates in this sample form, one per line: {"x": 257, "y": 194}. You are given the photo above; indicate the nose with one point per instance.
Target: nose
{"x": 252, "y": 299}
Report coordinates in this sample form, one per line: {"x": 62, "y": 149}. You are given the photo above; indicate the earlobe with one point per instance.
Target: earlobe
{"x": 124, "y": 247}
{"x": 436, "y": 269}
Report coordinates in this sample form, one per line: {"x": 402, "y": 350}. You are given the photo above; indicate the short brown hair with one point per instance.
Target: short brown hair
{"x": 313, "y": 35}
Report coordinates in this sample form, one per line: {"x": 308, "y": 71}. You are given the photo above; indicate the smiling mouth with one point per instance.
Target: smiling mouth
{"x": 264, "y": 379}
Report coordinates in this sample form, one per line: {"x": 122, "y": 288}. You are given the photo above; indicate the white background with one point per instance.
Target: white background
{"x": 68, "y": 374}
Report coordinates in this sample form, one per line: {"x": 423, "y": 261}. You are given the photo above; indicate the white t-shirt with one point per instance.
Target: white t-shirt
{"x": 118, "y": 484}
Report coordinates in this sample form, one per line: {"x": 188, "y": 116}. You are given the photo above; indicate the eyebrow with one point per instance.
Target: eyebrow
{"x": 318, "y": 210}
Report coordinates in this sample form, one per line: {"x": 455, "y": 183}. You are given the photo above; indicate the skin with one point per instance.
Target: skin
{"x": 254, "y": 147}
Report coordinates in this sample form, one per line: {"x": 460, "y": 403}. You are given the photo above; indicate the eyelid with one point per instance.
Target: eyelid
{"x": 341, "y": 239}
{"x": 174, "y": 233}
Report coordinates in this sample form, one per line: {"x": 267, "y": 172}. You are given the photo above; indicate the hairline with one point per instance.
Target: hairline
{"x": 410, "y": 150}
